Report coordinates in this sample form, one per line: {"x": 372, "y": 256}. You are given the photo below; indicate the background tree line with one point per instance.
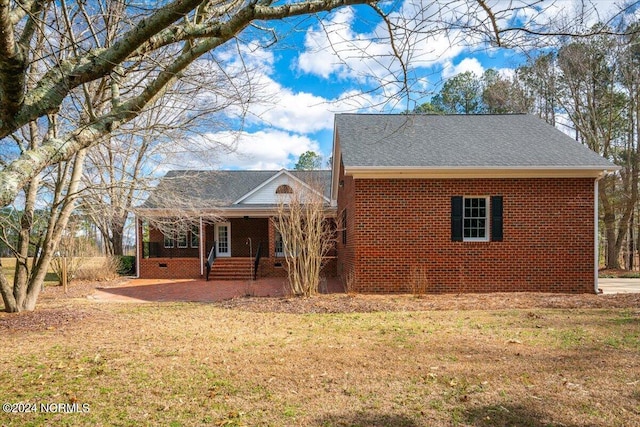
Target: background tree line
{"x": 589, "y": 88}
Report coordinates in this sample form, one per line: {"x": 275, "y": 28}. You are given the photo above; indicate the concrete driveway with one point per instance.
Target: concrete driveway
{"x": 619, "y": 286}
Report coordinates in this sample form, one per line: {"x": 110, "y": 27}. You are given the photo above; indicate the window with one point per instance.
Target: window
{"x": 475, "y": 219}
{"x": 195, "y": 236}
{"x": 279, "y": 245}
{"x": 168, "y": 240}
{"x": 182, "y": 239}
{"x": 284, "y": 189}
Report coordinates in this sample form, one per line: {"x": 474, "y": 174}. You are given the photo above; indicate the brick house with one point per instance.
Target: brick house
{"x": 229, "y": 219}
{"x": 453, "y": 203}
{"x": 474, "y": 203}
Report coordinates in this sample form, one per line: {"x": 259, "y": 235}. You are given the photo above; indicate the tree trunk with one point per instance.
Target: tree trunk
{"x": 24, "y": 293}
{"x": 631, "y": 242}
{"x": 609, "y": 220}
{"x": 9, "y": 300}
{"x": 613, "y": 252}
{"x": 116, "y": 240}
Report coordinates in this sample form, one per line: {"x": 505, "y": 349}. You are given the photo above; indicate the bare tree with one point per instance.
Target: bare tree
{"x": 307, "y": 236}
{"x": 121, "y": 171}
{"x": 54, "y": 190}
{"x": 180, "y": 201}
{"x": 598, "y": 109}
{"x": 35, "y": 251}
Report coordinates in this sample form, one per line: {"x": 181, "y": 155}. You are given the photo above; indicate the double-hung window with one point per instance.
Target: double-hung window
{"x": 195, "y": 236}
{"x": 168, "y": 240}
{"x": 182, "y": 238}
{"x": 476, "y": 219}
{"x": 279, "y": 245}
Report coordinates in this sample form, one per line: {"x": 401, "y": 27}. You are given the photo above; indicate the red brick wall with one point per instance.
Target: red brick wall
{"x": 170, "y": 268}
{"x": 255, "y": 228}
{"x": 277, "y": 267}
{"x": 400, "y": 230}
{"x": 346, "y": 203}
{"x": 189, "y": 268}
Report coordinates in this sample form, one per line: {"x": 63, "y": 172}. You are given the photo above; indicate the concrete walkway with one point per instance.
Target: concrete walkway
{"x": 150, "y": 290}
{"x": 619, "y": 286}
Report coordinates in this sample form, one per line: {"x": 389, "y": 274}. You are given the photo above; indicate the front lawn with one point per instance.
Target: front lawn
{"x": 181, "y": 364}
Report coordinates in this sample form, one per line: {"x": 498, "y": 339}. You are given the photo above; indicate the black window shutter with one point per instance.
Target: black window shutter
{"x": 496, "y": 218}
{"x": 456, "y": 218}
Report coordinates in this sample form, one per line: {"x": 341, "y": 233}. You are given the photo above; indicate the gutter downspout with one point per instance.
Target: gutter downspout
{"x": 138, "y": 245}
{"x": 596, "y": 253}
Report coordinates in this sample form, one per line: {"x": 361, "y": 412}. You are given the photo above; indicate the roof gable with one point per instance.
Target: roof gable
{"x": 265, "y": 193}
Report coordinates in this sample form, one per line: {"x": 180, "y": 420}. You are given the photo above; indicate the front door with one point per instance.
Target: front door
{"x": 223, "y": 239}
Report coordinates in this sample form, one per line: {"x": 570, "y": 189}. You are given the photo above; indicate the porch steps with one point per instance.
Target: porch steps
{"x": 231, "y": 269}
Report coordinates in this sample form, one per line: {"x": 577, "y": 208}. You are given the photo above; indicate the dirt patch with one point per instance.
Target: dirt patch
{"x": 358, "y": 303}
{"x": 42, "y": 319}
{"x": 52, "y": 312}
{"x": 341, "y": 303}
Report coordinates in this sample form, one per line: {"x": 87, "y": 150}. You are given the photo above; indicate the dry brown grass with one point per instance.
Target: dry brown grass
{"x": 223, "y": 364}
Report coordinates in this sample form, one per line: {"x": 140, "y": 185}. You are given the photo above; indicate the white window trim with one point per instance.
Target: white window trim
{"x": 487, "y": 226}
{"x": 194, "y": 238}
{"x": 182, "y": 244}
{"x": 217, "y": 239}
{"x": 169, "y": 241}
{"x": 277, "y": 253}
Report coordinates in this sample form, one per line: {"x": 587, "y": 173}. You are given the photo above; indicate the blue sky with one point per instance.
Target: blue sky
{"x": 341, "y": 63}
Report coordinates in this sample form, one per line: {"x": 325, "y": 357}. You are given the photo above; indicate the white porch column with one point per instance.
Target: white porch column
{"x": 139, "y": 244}
{"x": 202, "y": 245}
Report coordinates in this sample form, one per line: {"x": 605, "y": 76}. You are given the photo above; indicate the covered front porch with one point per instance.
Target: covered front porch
{"x": 240, "y": 247}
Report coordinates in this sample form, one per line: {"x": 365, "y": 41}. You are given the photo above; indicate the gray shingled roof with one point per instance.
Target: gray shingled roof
{"x": 424, "y": 141}
{"x": 208, "y": 189}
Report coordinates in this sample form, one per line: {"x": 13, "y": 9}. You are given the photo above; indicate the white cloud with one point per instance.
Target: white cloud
{"x": 319, "y": 57}
{"x": 265, "y": 149}
{"x": 299, "y": 112}
{"x": 247, "y": 55}
{"x": 467, "y": 64}
{"x": 422, "y": 37}
{"x": 272, "y": 104}
{"x": 434, "y": 33}
{"x": 367, "y": 61}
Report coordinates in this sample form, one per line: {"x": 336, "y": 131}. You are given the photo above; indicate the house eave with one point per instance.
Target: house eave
{"x": 221, "y": 212}
{"x": 469, "y": 172}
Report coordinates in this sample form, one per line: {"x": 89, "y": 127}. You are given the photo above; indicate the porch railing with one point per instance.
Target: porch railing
{"x": 256, "y": 263}
{"x": 210, "y": 260}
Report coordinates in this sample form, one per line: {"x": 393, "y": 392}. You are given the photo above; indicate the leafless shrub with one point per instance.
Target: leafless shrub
{"x": 349, "y": 281}
{"x": 307, "y": 236}
{"x": 100, "y": 269}
{"x": 72, "y": 253}
{"x": 419, "y": 281}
